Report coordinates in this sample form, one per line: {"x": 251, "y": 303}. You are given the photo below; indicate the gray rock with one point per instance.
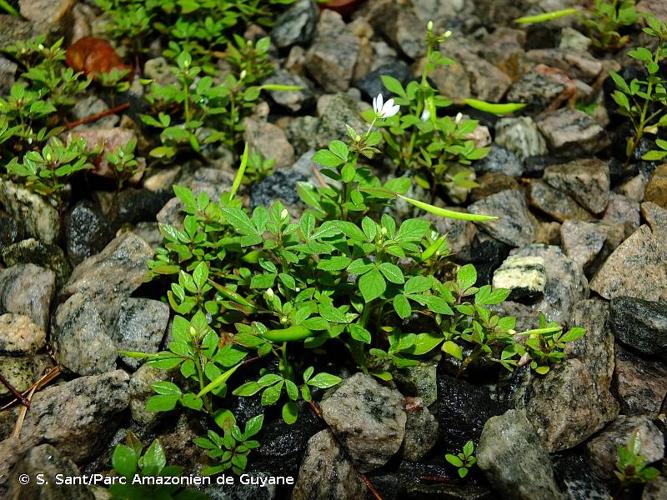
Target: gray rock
{"x": 656, "y": 489}
{"x": 419, "y": 381}
{"x": 621, "y": 210}
{"x": 500, "y": 160}
{"x": 566, "y": 284}
{"x": 640, "y": 325}
{"x": 333, "y": 54}
{"x": 571, "y": 39}
{"x": 583, "y": 408}
{"x": 300, "y": 132}
{"x": 80, "y": 337}
{"x": 602, "y": 448}
{"x": 637, "y": 268}
{"x": 656, "y": 218}
{"x": 582, "y": 241}
{"x": 368, "y": 418}
{"x": 293, "y": 100}
{"x": 27, "y": 289}
{"x": 400, "y": 25}
{"x": 296, "y": 25}
{"x": 270, "y": 141}
{"x": 421, "y": 430}
{"x": 554, "y": 202}
{"x": 571, "y": 133}
{"x": 487, "y": 82}
{"x": 19, "y": 372}
{"x": 47, "y": 12}
{"x": 656, "y": 189}
{"x": 535, "y": 89}
{"x": 140, "y": 326}
{"x": 20, "y": 335}
{"x": 14, "y": 29}
{"x": 92, "y": 105}
{"x": 526, "y": 277}
{"x": 335, "y": 112}
{"x": 158, "y": 70}
{"x": 141, "y": 389}
{"x": 7, "y": 74}
{"x": 641, "y": 384}
{"x": 37, "y": 217}
{"x": 326, "y": 472}
{"x": 512, "y": 459}
{"x": 587, "y": 181}
{"x": 515, "y": 225}
{"x": 521, "y": 137}
{"x": 47, "y": 461}
{"x": 32, "y": 251}
{"x": 117, "y": 270}
{"x": 68, "y": 414}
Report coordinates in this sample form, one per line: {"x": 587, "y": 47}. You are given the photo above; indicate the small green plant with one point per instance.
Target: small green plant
{"x": 131, "y": 462}
{"x": 123, "y": 162}
{"x": 644, "y": 101}
{"x": 438, "y": 149}
{"x": 47, "y": 171}
{"x": 7, "y": 7}
{"x": 258, "y": 168}
{"x": 463, "y": 461}
{"x": 603, "y": 21}
{"x": 631, "y": 466}
{"x": 231, "y": 449}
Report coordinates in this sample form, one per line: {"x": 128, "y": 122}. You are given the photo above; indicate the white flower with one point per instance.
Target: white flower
{"x": 426, "y": 115}
{"x": 384, "y": 109}
{"x": 459, "y": 117}
{"x": 284, "y": 214}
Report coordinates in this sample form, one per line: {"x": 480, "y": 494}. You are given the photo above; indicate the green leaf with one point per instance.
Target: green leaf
{"x": 413, "y": 230}
{"x": 324, "y": 380}
{"x": 340, "y": 149}
{"x": 418, "y": 284}
{"x": 124, "y": 460}
{"x": 466, "y": 276}
{"x": 453, "y": 349}
{"x": 393, "y": 85}
{"x": 358, "y": 332}
{"x": 494, "y": 109}
{"x": 392, "y": 272}
{"x": 469, "y": 448}
{"x": 451, "y": 214}
{"x": 253, "y": 426}
{"x": 327, "y": 158}
{"x": 271, "y": 395}
{"x": 547, "y": 16}
{"x": 166, "y": 388}
{"x": 336, "y": 263}
{"x": 247, "y": 389}
{"x": 372, "y": 285}
{"x": 161, "y": 403}
{"x": 454, "y": 460}
{"x": 154, "y": 460}
{"x": 290, "y": 412}
{"x": 402, "y": 306}
{"x": 425, "y": 342}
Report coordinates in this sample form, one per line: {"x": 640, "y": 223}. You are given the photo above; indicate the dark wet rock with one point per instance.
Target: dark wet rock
{"x": 68, "y": 414}
{"x": 535, "y": 89}
{"x": 117, "y": 270}
{"x": 253, "y": 489}
{"x": 577, "y": 479}
{"x": 176, "y": 439}
{"x": 656, "y": 218}
{"x": 136, "y": 205}
{"x": 487, "y": 255}
{"x": 641, "y": 384}
{"x": 656, "y": 190}
{"x": 583, "y": 408}
{"x": 371, "y": 84}
{"x": 515, "y": 224}
{"x": 525, "y": 277}
{"x": 326, "y": 472}
{"x": 333, "y": 54}
{"x": 491, "y": 183}
{"x": 10, "y": 229}
{"x": 32, "y": 251}
{"x": 554, "y": 202}
{"x": 296, "y": 25}
{"x": 463, "y": 408}
{"x": 621, "y": 210}
{"x": 368, "y": 418}
{"x": 270, "y": 141}
{"x": 35, "y": 215}
{"x": 582, "y": 241}
{"x": 7, "y": 74}
{"x": 566, "y": 284}
{"x": 642, "y": 254}
{"x": 140, "y": 326}
{"x": 87, "y": 231}
{"x": 294, "y": 100}
{"x": 19, "y": 372}
{"x": 27, "y": 289}
{"x": 20, "y": 335}
{"x": 640, "y": 325}
{"x": 513, "y": 460}
{"x": 587, "y": 181}
{"x": 500, "y": 160}
{"x": 602, "y": 448}
{"x": 282, "y": 184}
{"x": 81, "y": 338}
{"x": 141, "y": 389}
{"x": 47, "y": 461}
{"x": 570, "y": 132}
{"x": 419, "y": 381}
{"x": 421, "y": 430}
{"x": 520, "y": 136}
{"x": 47, "y": 12}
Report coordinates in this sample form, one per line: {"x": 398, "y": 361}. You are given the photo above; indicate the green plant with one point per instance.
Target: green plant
{"x": 7, "y": 7}
{"x": 134, "y": 464}
{"x": 231, "y": 449}
{"x": 436, "y": 148}
{"x": 258, "y": 168}
{"x": 603, "y": 21}
{"x": 463, "y": 461}
{"x": 123, "y": 162}
{"x": 631, "y": 466}
{"x": 644, "y": 101}
{"x": 47, "y": 171}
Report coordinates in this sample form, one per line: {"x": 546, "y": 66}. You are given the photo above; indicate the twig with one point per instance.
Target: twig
{"x": 45, "y": 379}
{"x": 318, "y": 176}
{"x": 17, "y": 395}
{"x": 371, "y": 487}
{"x": 97, "y": 116}
{"x": 22, "y": 413}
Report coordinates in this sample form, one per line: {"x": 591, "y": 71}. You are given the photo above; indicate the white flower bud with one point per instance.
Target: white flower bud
{"x": 284, "y": 214}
